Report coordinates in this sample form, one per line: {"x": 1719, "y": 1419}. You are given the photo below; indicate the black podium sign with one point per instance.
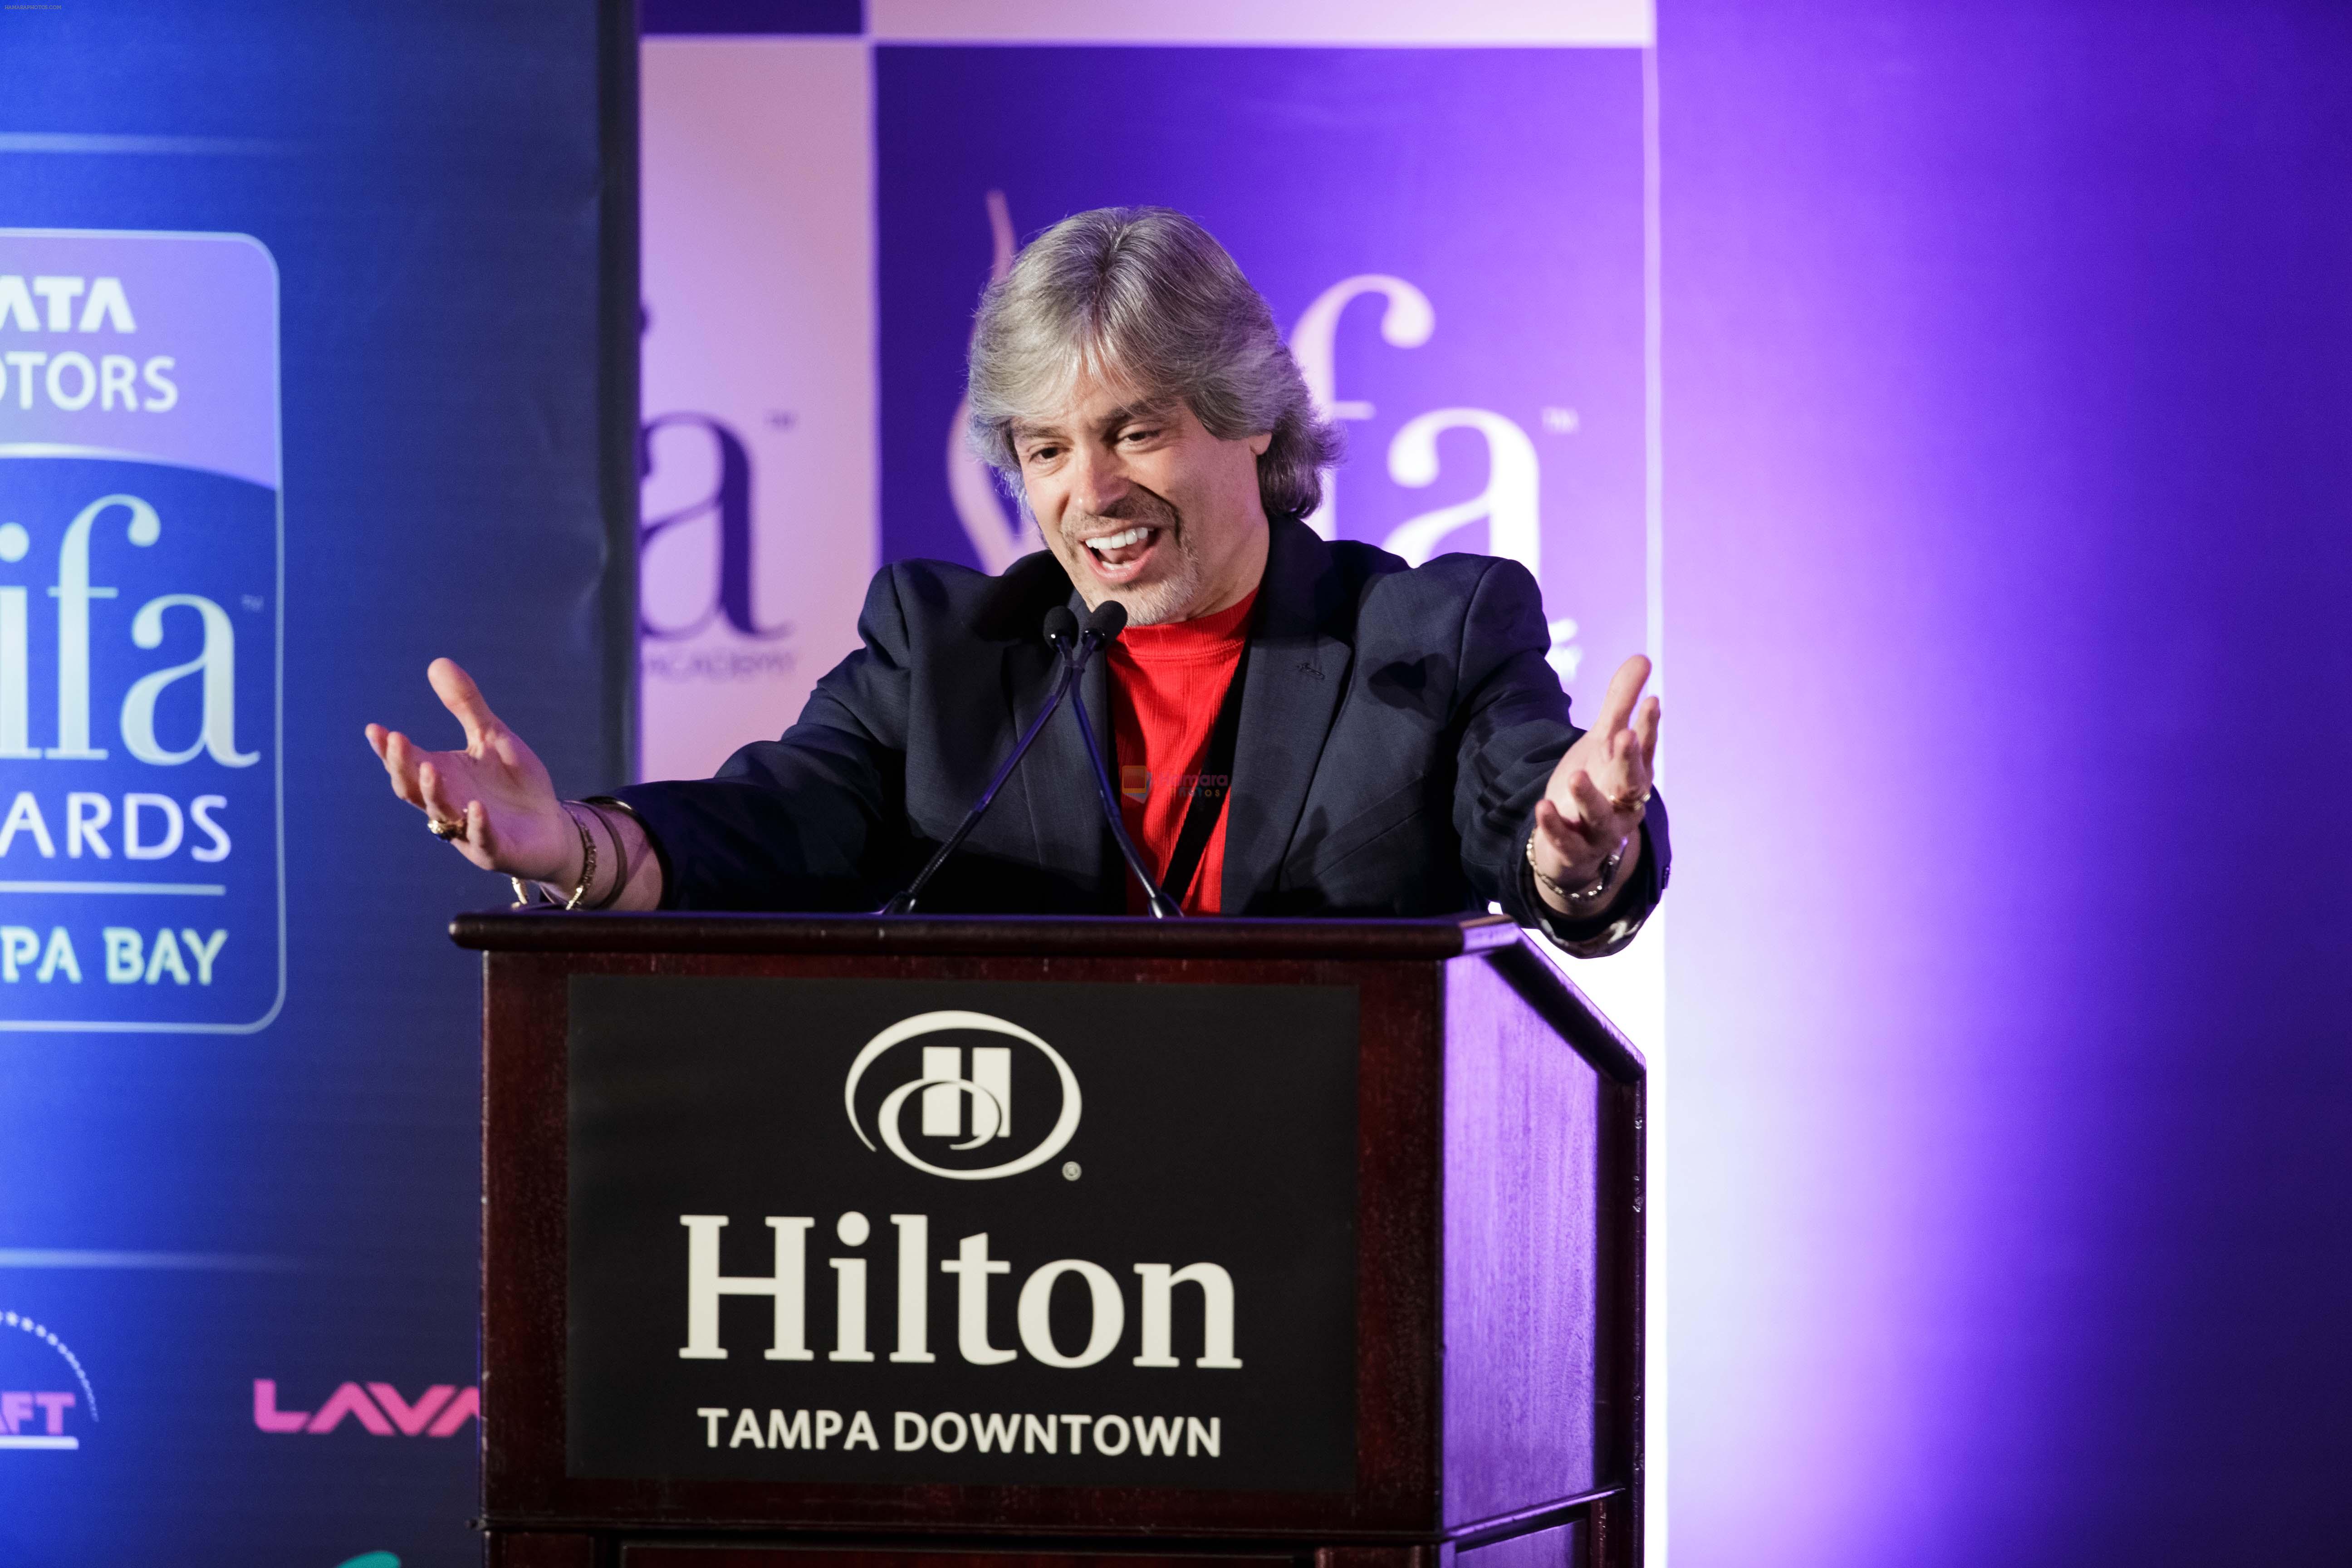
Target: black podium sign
{"x": 962, "y": 1233}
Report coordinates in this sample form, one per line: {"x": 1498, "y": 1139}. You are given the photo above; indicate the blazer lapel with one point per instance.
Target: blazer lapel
{"x": 1290, "y": 697}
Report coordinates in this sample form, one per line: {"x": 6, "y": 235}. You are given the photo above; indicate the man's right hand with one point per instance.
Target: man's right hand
{"x": 497, "y": 787}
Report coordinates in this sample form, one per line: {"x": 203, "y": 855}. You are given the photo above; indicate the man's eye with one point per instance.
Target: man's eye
{"x": 1042, "y": 454}
{"x": 1138, "y": 434}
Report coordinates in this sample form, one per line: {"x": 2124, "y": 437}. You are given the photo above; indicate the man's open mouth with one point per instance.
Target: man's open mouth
{"x": 1119, "y": 557}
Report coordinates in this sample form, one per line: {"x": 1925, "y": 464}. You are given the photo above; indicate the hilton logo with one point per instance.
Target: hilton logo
{"x": 947, "y": 1091}
{"x": 759, "y": 1291}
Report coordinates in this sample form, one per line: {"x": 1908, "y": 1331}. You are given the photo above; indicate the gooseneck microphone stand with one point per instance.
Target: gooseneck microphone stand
{"x": 1104, "y": 625}
{"x": 1078, "y": 647}
{"x": 1061, "y": 630}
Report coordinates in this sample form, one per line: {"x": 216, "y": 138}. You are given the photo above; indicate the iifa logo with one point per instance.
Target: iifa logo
{"x": 190, "y": 826}
{"x": 45, "y": 1399}
{"x": 139, "y": 570}
{"x": 376, "y": 1407}
{"x": 1510, "y": 505}
{"x": 214, "y": 670}
{"x": 728, "y": 504}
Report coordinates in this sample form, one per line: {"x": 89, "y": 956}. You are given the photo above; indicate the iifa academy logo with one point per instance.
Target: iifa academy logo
{"x": 946, "y": 1091}
{"x": 45, "y": 1399}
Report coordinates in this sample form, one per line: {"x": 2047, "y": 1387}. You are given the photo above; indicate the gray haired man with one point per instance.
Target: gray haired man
{"x": 1398, "y": 743}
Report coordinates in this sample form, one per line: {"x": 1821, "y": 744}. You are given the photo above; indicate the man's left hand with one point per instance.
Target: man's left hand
{"x": 1593, "y": 807}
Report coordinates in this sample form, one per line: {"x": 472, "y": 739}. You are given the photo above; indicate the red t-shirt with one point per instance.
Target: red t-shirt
{"x": 1166, "y": 685}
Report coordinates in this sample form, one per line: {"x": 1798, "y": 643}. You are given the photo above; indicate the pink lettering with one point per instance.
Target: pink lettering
{"x": 350, "y": 1399}
{"x": 14, "y": 1408}
{"x": 467, "y": 1407}
{"x": 410, "y": 1418}
{"x": 54, "y": 1406}
{"x": 265, "y": 1414}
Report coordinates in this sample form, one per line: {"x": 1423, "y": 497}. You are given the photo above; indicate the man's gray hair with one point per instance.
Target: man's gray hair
{"x": 1147, "y": 296}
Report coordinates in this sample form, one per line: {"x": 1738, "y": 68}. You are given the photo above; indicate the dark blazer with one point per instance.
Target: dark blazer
{"x": 1397, "y": 726}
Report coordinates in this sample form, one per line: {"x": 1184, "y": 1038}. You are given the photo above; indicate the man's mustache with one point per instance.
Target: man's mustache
{"x": 1138, "y": 506}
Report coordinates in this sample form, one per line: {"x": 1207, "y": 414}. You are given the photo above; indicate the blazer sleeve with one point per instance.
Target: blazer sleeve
{"x": 813, "y": 820}
{"x": 1515, "y": 727}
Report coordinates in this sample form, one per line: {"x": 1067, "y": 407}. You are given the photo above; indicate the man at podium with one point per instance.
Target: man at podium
{"x": 1294, "y": 726}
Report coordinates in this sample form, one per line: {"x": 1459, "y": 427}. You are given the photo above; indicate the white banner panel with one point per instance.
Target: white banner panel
{"x": 1516, "y": 22}
{"x": 758, "y": 506}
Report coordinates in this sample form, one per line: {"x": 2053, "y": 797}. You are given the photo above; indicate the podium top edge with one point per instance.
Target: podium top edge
{"x": 1055, "y": 936}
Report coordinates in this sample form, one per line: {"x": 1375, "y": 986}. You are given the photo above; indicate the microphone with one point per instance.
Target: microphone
{"x": 1104, "y": 624}
{"x": 1106, "y": 620}
{"x": 1062, "y": 631}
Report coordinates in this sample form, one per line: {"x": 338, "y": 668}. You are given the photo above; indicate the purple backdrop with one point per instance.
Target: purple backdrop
{"x": 2008, "y": 355}
{"x": 1504, "y": 186}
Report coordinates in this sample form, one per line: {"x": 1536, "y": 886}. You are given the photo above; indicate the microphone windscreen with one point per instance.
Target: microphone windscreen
{"x": 1107, "y": 619}
{"x": 1061, "y": 626}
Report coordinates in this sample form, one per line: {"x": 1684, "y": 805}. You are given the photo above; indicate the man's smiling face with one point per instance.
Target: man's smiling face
{"x": 1141, "y": 504}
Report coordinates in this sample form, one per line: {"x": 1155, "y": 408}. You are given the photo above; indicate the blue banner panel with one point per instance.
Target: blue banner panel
{"x": 318, "y": 352}
{"x": 142, "y": 856}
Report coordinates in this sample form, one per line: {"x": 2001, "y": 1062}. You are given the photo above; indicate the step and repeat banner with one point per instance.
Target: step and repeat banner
{"x": 1452, "y": 216}
{"x": 1451, "y": 227}
{"x": 308, "y": 373}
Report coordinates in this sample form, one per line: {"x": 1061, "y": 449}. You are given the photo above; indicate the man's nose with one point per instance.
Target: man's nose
{"x": 1100, "y": 480}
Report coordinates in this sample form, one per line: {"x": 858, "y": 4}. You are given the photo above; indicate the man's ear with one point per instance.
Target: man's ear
{"x": 1260, "y": 442}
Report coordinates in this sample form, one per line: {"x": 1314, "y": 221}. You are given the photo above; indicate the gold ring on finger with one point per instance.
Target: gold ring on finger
{"x": 446, "y": 831}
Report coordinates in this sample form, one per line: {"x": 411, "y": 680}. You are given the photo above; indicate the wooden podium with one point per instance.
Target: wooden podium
{"x": 1039, "y": 1242}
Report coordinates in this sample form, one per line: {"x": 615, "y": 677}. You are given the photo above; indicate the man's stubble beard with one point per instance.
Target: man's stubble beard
{"x": 1173, "y": 596}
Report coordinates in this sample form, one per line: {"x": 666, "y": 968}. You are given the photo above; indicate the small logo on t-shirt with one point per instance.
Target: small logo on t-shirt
{"x": 1134, "y": 783}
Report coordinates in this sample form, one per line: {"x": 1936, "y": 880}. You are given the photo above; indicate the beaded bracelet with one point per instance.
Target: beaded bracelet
{"x": 1574, "y": 896}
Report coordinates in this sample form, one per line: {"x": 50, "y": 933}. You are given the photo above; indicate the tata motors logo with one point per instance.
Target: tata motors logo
{"x": 45, "y": 1399}
{"x": 967, "y": 1096}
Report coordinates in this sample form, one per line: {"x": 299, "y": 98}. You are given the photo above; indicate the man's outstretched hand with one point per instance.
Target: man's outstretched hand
{"x": 1595, "y": 799}
{"x": 497, "y": 787}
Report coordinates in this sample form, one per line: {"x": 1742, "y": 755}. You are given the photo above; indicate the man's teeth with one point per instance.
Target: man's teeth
{"x": 1136, "y": 536}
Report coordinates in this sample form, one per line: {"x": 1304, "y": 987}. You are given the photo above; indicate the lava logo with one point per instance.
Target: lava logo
{"x": 36, "y": 1416}
{"x": 947, "y": 1091}
{"x": 378, "y": 1407}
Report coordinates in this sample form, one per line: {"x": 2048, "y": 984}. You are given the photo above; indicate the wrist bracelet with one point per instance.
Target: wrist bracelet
{"x": 620, "y": 853}
{"x": 1577, "y": 896}
{"x": 587, "y": 864}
